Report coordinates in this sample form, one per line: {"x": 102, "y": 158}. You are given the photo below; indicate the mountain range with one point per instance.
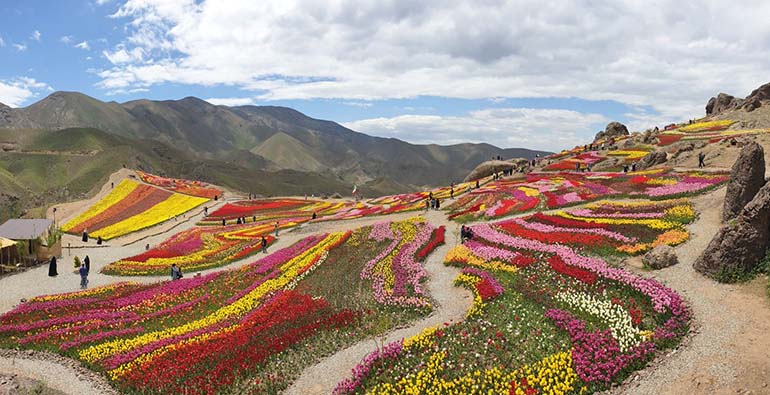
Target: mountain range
{"x": 263, "y": 149}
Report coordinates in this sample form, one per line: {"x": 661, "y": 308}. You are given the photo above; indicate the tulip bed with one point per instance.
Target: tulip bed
{"x": 547, "y": 318}
{"x": 246, "y": 330}
{"x": 187, "y": 187}
{"x": 130, "y": 207}
{"x": 557, "y": 190}
{"x": 582, "y": 160}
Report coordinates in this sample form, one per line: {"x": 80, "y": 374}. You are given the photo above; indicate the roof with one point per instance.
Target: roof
{"x": 6, "y": 242}
{"x": 24, "y": 229}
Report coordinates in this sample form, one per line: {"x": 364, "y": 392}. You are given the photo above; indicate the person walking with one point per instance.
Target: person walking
{"x": 701, "y": 159}
{"x": 264, "y": 245}
{"x": 83, "y": 276}
{"x": 427, "y": 204}
{"x": 85, "y": 235}
{"x": 176, "y": 272}
{"x": 276, "y": 229}
{"x": 87, "y": 262}
{"x": 52, "y": 271}
{"x": 452, "y": 193}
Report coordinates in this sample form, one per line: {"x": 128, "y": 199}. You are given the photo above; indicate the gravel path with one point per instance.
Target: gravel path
{"x": 728, "y": 349}
{"x": 58, "y": 373}
{"x": 451, "y": 304}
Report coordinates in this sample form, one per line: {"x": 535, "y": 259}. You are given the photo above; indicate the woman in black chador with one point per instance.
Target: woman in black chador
{"x": 52, "y": 267}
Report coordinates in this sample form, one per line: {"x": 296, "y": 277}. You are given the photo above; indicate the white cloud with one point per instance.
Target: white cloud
{"x": 231, "y": 101}
{"x": 20, "y": 47}
{"x": 362, "y": 104}
{"x": 545, "y": 129}
{"x": 102, "y": 2}
{"x": 83, "y": 45}
{"x": 36, "y": 35}
{"x": 121, "y": 55}
{"x": 17, "y": 91}
{"x": 668, "y": 56}
{"x": 2, "y": 42}
{"x": 66, "y": 39}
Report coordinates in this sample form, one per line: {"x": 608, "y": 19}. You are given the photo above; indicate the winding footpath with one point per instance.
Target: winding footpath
{"x": 451, "y": 304}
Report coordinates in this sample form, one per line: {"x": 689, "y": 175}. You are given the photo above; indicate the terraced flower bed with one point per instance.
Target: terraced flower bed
{"x": 179, "y": 185}
{"x": 246, "y": 330}
{"x": 558, "y": 190}
{"x": 130, "y": 207}
{"x": 547, "y": 317}
{"x": 581, "y": 161}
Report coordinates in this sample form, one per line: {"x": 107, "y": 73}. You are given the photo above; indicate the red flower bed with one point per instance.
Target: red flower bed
{"x": 216, "y": 362}
{"x": 240, "y": 209}
{"x": 561, "y": 221}
{"x": 436, "y": 239}
{"x": 558, "y": 265}
{"x": 668, "y": 139}
{"x": 581, "y": 239}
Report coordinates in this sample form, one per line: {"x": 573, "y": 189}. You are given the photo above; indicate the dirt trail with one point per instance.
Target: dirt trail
{"x": 452, "y": 303}
{"x": 728, "y": 350}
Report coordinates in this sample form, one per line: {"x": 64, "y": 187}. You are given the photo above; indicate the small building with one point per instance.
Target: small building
{"x": 33, "y": 235}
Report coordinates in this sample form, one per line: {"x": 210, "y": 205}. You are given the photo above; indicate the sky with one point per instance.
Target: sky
{"x": 525, "y": 73}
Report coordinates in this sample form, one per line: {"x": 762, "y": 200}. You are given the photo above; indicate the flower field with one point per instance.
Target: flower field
{"x": 582, "y": 160}
{"x": 187, "y": 187}
{"x": 246, "y": 330}
{"x": 710, "y": 131}
{"x": 130, "y": 207}
{"x": 547, "y": 317}
{"x": 556, "y": 190}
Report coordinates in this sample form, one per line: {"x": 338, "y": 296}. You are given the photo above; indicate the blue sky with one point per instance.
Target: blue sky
{"x": 513, "y": 74}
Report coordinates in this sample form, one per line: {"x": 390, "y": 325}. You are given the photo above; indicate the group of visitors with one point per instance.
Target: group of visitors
{"x": 83, "y": 270}
{"x": 626, "y": 167}
{"x": 99, "y": 240}
{"x": 434, "y": 203}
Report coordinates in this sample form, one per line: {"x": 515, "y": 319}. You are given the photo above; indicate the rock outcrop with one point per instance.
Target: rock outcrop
{"x": 724, "y": 102}
{"x": 660, "y": 257}
{"x": 613, "y": 129}
{"x": 738, "y": 247}
{"x": 490, "y": 167}
{"x": 721, "y": 103}
{"x": 652, "y": 159}
{"x": 746, "y": 178}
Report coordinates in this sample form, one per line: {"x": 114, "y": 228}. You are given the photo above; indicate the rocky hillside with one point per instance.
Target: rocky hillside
{"x": 753, "y": 111}
{"x": 262, "y": 138}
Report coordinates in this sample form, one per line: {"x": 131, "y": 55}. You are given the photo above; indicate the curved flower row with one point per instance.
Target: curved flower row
{"x": 131, "y": 207}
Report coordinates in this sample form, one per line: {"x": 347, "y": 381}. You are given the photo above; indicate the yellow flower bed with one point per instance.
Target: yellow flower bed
{"x": 117, "y": 194}
{"x": 629, "y": 154}
{"x": 464, "y": 255}
{"x": 554, "y": 375}
{"x": 176, "y": 204}
{"x": 703, "y": 126}
{"x": 651, "y": 223}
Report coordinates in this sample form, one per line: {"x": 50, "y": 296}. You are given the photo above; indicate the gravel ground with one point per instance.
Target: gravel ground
{"x": 728, "y": 349}
{"x": 61, "y": 374}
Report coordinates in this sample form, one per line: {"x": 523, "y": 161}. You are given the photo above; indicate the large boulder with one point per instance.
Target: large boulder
{"x": 746, "y": 178}
{"x": 741, "y": 243}
{"x": 613, "y": 129}
{"x": 490, "y": 167}
{"x": 660, "y": 257}
{"x": 721, "y": 103}
{"x": 652, "y": 159}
